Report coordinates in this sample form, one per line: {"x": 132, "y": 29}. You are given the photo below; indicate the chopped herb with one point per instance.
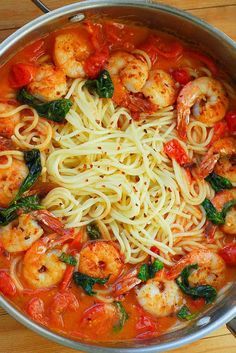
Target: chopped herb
{"x": 215, "y": 216}
{"x": 147, "y": 271}
{"x": 203, "y": 291}
{"x": 55, "y": 110}
{"x": 103, "y": 85}
{"x": 185, "y": 314}
{"x": 24, "y": 204}
{"x": 68, "y": 259}
{"x": 87, "y": 282}
{"x": 93, "y": 231}
{"x": 33, "y": 162}
{"x": 218, "y": 182}
{"x": 123, "y": 317}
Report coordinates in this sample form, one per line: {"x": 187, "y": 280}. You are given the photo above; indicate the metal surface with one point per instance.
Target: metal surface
{"x": 193, "y": 30}
{"x": 231, "y": 326}
{"x": 41, "y": 6}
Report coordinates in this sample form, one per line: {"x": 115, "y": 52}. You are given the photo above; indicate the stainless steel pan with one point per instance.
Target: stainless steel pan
{"x": 192, "y": 30}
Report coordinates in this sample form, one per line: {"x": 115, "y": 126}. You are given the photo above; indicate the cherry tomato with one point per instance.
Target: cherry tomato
{"x": 220, "y": 130}
{"x": 100, "y": 318}
{"x": 21, "y": 75}
{"x": 36, "y": 310}
{"x": 149, "y": 47}
{"x": 204, "y": 59}
{"x": 63, "y": 301}
{"x": 96, "y": 32}
{"x": 182, "y": 76}
{"x": 7, "y": 286}
{"x": 145, "y": 326}
{"x": 196, "y": 304}
{"x": 174, "y": 150}
{"x": 169, "y": 50}
{"x": 96, "y": 62}
{"x": 231, "y": 120}
{"x": 118, "y": 36}
{"x": 228, "y": 253}
{"x": 155, "y": 250}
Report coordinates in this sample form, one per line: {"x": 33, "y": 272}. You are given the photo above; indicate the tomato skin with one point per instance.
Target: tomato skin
{"x": 155, "y": 250}
{"x": 205, "y": 59}
{"x": 145, "y": 326}
{"x": 61, "y": 302}
{"x": 220, "y": 130}
{"x": 150, "y": 48}
{"x": 174, "y": 150}
{"x": 7, "y": 286}
{"x": 182, "y": 76}
{"x": 21, "y": 75}
{"x": 96, "y": 62}
{"x": 228, "y": 253}
{"x": 231, "y": 120}
{"x": 36, "y": 311}
{"x": 197, "y": 304}
{"x": 170, "y": 50}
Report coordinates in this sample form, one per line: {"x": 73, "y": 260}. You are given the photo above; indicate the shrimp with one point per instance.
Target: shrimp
{"x": 160, "y": 296}
{"x": 41, "y": 265}
{"x": 101, "y": 259}
{"x": 125, "y": 282}
{"x": 230, "y": 220}
{"x": 70, "y": 53}
{"x": 160, "y": 88}
{"x": 8, "y": 123}
{"x": 10, "y": 181}
{"x": 211, "y": 269}
{"x": 207, "y": 99}
{"x": 132, "y": 70}
{"x": 49, "y": 83}
{"x": 19, "y": 237}
{"x": 221, "y": 151}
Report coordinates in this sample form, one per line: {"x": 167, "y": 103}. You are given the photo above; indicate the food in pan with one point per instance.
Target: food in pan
{"x": 117, "y": 181}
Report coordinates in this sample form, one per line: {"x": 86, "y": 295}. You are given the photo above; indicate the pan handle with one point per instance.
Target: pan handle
{"x": 231, "y": 326}
{"x": 41, "y": 6}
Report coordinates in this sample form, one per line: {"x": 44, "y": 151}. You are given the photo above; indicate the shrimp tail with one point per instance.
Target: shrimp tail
{"x": 125, "y": 283}
{"x": 182, "y": 122}
{"x": 49, "y": 220}
{"x": 207, "y": 165}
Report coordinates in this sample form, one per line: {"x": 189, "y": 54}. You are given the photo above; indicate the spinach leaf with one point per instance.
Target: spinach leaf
{"x": 68, "y": 259}
{"x": 103, "y": 85}
{"x": 213, "y": 215}
{"x": 93, "y": 231}
{"x": 185, "y": 314}
{"x": 33, "y": 162}
{"x": 87, "y": 282}
{"x": 24, "y": 204}
{"x": 202, "y": 291}
{"x": 218, "y": 182}
{"x": 148, "y": 271}
{"x": 123, "y": 317}
{"x": 55, "y": 110}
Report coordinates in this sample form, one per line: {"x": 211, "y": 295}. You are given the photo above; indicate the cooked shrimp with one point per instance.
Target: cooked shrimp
{"x": 41, "y": 265}
{"x": 211, "y": 268}
{"x": 221, "y": 150}
{"x": 70, "y": 52}
{"x": 207, "y": 99}
{"x": 8, "y": 123}
{"x": 101, "y": 259}
{"x": 230, "y": 220}
{"x": 125, "y": 282}
{"x": 21, "y": 234}
{"x": 10, "y": 181}
{"x": 49, "y": 83}
{"x": 160, "y": 88}
{"x": 132, "y": 70}
{"x": 160, "y": 296}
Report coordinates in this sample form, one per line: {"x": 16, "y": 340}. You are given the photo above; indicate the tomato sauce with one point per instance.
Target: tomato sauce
{"x": 172, "y": 55}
